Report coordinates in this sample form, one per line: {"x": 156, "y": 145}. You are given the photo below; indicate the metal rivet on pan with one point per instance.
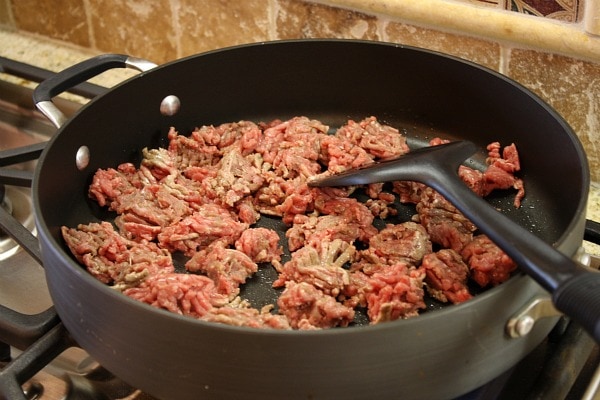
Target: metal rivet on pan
{"x": 82, "y": 158}
{"x": 170, "y": 105}
{"x": 524, "y": 325}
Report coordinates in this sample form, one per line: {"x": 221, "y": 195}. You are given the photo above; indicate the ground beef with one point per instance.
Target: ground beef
{"x": 292, "y": 147}
{"x": 445, "y": 225}
{"x": 323, "y": 267}
{"x": 186, "y": 294}
{"x": 200, "y": 197}
{"x": 314, "y": 229}
{"x": 261, "y": 245}
{"x": 143, "y": 213}
{"x": 236, "y": 177}
{"x": 113, "y": 259}
{"x": 446, "y": 276}
{"x": 192, "y": 151}
{"x": 409, "y": 191}
{"x": 211, "y": 222}
{"x": 108, "y": 185}
{"x": 299, "y": 199}
{"x": 489, "y": 265}
{"x": 345, "y": 219}
{"x": 307, "y": 307}
{"x": 407, "y": 242}
{"x": 246, "y": 316}
{"x": 228, "y": 268}
{"x": 394, "y": 292}
{"x": 340, "y": 155}
{"x": 381, "y": 141}
{"x": 351, "y": 210}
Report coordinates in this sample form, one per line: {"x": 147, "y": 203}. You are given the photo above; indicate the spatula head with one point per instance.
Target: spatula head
{"x": 417, "y": 165}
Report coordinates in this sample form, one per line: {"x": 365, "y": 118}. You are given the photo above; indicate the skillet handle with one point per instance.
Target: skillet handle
{"x": 579, "y": 298}
{"x": 79, "y": 73}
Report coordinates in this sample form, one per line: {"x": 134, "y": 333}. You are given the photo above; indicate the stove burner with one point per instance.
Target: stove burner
{"x": 17, "y": 203}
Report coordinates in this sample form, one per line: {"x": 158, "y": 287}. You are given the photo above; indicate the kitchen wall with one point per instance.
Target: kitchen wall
{"x": 549, "y": 46}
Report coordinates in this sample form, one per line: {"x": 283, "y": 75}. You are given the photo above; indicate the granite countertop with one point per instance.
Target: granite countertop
{"x": 56, "y": 56}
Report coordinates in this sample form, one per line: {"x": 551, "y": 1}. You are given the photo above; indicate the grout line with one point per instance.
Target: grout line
{"x": 88, "y": 21}
{"x": 175, "y": 6}
{"x": 503, "y": 26}
{"x": 505, "y": 53}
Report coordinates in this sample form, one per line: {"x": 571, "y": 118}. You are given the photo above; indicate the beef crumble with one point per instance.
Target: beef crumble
{"x": 204, "y": 195}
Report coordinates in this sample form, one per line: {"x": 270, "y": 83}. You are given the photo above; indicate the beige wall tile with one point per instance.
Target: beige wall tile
{"x": 476, "y": 50}
{"x": 66, "y": 21}
{"x": 572, "y": 87}
{"x": 139, "y": 28}
{"x": 299, "y": 19}
{"x": 211, "y": 24}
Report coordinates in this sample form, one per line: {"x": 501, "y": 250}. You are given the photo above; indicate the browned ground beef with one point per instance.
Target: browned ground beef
{"x": 446, "y": 276}
{"x": 228, "y": 268}
{"x": 323, "y": 266}
{"x": 203, "y": 194}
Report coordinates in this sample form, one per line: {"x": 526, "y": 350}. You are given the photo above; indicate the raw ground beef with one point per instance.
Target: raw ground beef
{"x": 307, "y": 307}
{"x": 246, "y": 316}
{"x": 203, "y": 196}
{"x": 211, "y": 222}
{"x": 185, "y": 294}
{"x": 261, "y": 245}
{"x": 488, "y": 264}
{"x": 395, "y": 291}
{"x": 113, "y": 259}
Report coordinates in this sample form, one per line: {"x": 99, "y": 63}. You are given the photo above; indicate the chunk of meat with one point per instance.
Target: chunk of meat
{"x": 113, "y": 259}
{"x": 108, "y": 185}
{"x": 211, "y": 222}
{"x": 345, "y": 219}
{"x": 307, "y": 307}
{"x": 246, "y": 316}
{"x": 394, "y": 292}
{"x": 292, "y": 147}
{"x": 322, "y": 267}
{"x": 260, "y": 244}
{"x": 407, "y": 242}
{"x": 446, "y": 276}
{"x": 489, "y": 265}
{"x": 340, "y": 155}
{"x": 185, "y": 294}
{"x": 380, "y": 140}
{"x": 236, "y": 178}
{"x": 228, "y": 268}
{"x": 445, "y": 225}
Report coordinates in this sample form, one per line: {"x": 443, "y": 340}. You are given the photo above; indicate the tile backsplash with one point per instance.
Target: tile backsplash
{"x": 164, "y": 30}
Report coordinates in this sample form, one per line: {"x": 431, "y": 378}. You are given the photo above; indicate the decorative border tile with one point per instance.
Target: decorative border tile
{"x": 564, "y": 10}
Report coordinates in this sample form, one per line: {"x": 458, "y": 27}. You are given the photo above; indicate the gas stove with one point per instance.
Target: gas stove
{"x": 40, "y": 360}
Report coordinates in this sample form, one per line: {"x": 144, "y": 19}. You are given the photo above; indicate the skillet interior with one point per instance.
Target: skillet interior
{"x": 405, "y": 92}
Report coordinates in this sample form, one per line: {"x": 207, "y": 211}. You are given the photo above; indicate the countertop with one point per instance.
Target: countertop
{"x": 56, "y": 56}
